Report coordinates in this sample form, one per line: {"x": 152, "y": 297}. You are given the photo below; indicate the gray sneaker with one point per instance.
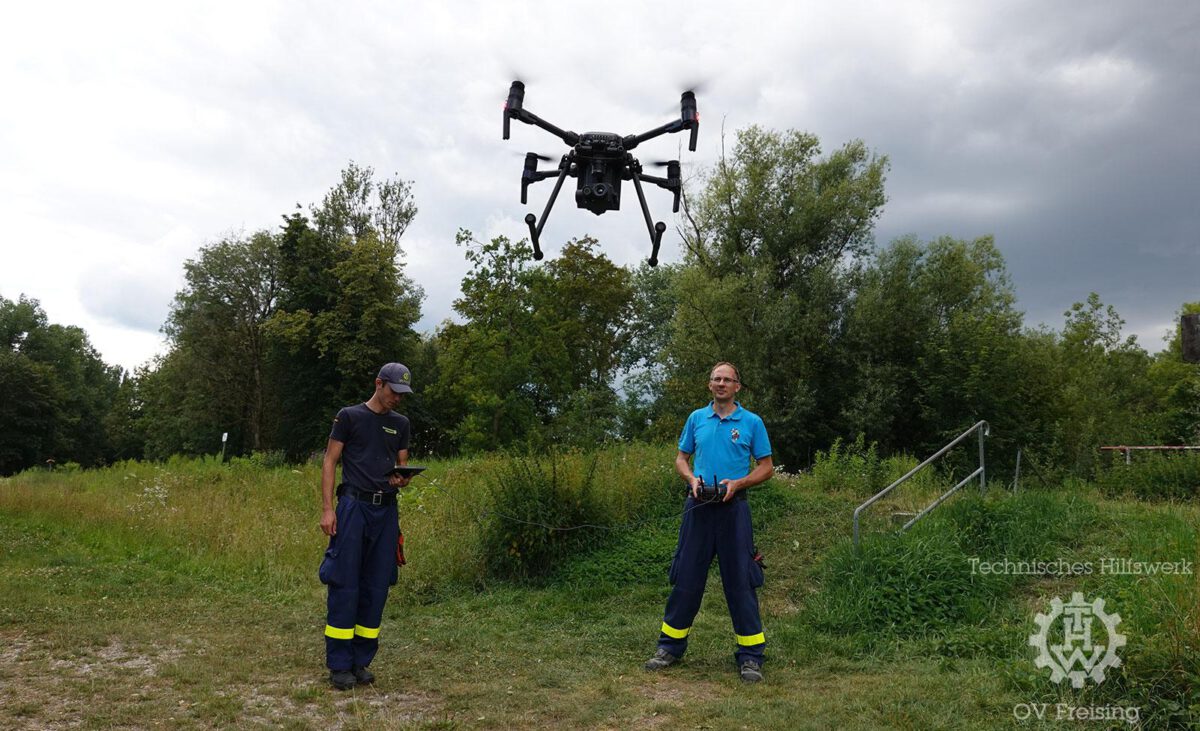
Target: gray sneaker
{"x": 750, "y": 671}
{"x": 363, "y": 676}
{"x": 661, "y": 659}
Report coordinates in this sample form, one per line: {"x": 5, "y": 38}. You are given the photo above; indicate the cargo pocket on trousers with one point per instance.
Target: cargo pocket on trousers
{"x": 756, "y": 570}
{"x": 328, "y": 573}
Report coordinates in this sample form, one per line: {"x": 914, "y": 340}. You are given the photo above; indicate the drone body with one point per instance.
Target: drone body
{"x": 600, "y": 161}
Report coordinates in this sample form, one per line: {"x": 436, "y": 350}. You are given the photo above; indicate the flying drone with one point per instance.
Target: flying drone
{"x": 600, "y": 161}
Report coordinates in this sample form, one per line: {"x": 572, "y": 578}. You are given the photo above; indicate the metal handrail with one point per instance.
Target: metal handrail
{"x": 983, "y": 429}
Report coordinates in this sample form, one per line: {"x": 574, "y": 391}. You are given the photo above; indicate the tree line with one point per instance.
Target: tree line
{"x": 906, "y": 344}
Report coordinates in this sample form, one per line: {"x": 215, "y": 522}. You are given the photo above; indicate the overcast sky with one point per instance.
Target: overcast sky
{"x": 132, "y": 134}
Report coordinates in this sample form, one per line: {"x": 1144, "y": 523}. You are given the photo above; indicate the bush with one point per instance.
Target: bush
{"x": 546, "y": 508}
{"x": 855, "y": 467}
{"x": 1154, "y": 477}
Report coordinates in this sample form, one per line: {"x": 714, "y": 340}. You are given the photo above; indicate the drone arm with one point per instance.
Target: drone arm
{"x": 671, "y": 183}
{"x": 633, "y": 141}
{"x": 655, "y": 229}
{"x": 535, "y": 228}
{"x": 689, "y": 119}
{"x": 532, "y": 175}
{"x": 521, "y": 115}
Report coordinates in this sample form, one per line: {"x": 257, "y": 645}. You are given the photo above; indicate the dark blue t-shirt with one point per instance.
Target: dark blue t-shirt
{"x": 372, "y": 442}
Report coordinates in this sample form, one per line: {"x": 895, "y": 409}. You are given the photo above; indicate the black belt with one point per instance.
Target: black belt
{"x": 739, "y": 495}
{"x": 367, "y": 496}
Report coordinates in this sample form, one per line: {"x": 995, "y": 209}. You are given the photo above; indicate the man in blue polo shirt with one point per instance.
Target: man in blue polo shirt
{"x": 360, "y": 564}
{"x": 723, "y": 437}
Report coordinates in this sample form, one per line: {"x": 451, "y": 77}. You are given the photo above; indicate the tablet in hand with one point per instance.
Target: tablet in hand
{"x": 405, "y": 470}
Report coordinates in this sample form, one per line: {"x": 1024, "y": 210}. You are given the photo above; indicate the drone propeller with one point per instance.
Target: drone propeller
{"x": 537, "y": 155}
{"x": 698, "y": 87}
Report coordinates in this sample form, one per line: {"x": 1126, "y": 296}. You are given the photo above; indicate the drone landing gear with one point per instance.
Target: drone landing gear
{"x": 535, "y": 231}
{"x": 656, "y": 230}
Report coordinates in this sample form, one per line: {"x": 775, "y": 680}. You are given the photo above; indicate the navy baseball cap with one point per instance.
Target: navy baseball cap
{"x": 397, "y": 376}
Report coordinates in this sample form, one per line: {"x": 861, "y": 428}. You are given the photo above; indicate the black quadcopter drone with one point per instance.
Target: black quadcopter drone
{"x": 600, "y": 161}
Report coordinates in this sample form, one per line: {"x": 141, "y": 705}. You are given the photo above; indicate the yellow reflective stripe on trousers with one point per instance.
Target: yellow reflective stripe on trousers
{"x": 670, "y": 631}
{"x": 338, "y": 633}
{"x": 757, "y": 639}
{"x": 367, "y": 632}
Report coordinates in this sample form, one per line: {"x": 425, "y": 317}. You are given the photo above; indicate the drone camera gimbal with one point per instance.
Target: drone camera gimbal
{"x": 600, "y": 161}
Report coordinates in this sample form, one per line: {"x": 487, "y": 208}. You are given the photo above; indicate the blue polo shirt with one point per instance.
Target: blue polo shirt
{"x": 723, "y": 447}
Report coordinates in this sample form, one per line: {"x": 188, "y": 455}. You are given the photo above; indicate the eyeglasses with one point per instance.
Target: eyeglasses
{"x": 723, "y": 379}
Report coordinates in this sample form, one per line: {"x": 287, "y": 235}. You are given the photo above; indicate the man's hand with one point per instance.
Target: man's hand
{"x": 695, "y": 483}
{"x": 731, "y": 488}
{"x": 398, "y": 481}
{"x": 329, "y": 522}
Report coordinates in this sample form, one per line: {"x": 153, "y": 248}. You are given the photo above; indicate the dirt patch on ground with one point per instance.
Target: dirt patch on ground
{"x": 113, "y": 681}
{"x": 115, "y": 657}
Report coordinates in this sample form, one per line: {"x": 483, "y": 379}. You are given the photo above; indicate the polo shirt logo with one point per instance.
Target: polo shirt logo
{"x": 389, "y": 431}
{"x": 735, "y": 434}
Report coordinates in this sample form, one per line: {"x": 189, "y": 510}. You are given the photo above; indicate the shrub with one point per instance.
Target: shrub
{"x": 545, "y": 508}
{"x": 855, "y": 467}
{"x": 1154, "y": 477}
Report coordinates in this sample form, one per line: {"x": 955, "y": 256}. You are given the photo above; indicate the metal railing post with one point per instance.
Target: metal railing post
{"x": 984, "y": 431}
{"x": 982, "y": 468}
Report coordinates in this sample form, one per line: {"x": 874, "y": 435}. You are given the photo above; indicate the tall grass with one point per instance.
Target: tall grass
{"x": 926, "y": 580}
{"x": 256, "y": 525}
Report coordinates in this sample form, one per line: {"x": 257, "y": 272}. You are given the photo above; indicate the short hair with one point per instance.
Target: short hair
{"x": 736, "y": 373}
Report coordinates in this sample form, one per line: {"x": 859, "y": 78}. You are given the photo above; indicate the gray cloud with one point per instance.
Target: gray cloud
{"x": 1067, "y": 132}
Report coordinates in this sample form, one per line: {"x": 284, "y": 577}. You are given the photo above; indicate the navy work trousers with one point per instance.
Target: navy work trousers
{"x": 723, "y": 530}
{"x": 359, "y": 566}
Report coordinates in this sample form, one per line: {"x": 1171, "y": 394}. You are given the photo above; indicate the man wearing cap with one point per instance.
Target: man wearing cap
{"x": 360, "y": 564}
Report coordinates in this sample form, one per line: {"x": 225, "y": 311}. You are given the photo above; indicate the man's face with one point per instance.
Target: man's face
{"x": 723, "y": 383}
{"x": 389, "y": 398}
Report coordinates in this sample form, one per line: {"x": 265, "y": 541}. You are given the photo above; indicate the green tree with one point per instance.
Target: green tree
{"x": 1176, "y": 384}
{"x": 31, "y": 414}
{"x": 216, "y": 331}
{"x": 487, "y": 370}
{"x": 772, "y": 250}
{"x": 1105, "y": 394}
{"x": 345, "y": 307}
{"x": 583, "y": 309}
{"x": 55, "y": 388}
{"x": 646, "y": 369}
{"x": 937, "y": 345}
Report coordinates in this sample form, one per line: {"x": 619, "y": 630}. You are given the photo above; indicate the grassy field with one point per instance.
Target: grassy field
{"x": 184, "y": 595}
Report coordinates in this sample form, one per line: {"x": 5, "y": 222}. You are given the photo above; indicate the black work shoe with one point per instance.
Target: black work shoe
{"x": 363, "y": 676}
{"x": 661, "y": 659}
{"x": 342, "y": 679}
{"x": 750, "y": 671}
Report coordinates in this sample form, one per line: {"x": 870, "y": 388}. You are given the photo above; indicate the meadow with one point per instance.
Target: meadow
{"x": 184, "y": 594}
